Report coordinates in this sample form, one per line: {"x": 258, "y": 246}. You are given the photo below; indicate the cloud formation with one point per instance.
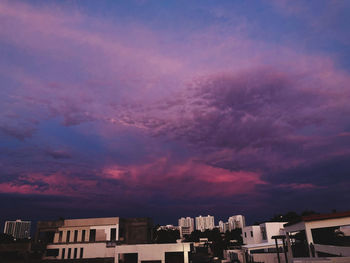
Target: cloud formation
{"x": 153, "y": 111}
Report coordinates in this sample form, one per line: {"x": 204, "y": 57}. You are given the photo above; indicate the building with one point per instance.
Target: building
{"x": 262, "y": 234}
{"x": 168, "y": 227}
{"x": 223, "y": 226}
{"x": 316, "y": 236}
{"x": 92, "y": 238}
{"x": 186, "y": 226}
{"x": 160, "y": 253}
{"x": 237, "y": 221}
{"x": 18, "y": 229}
{"x": 259, "y": 244}
{"x": 205, "y": 222}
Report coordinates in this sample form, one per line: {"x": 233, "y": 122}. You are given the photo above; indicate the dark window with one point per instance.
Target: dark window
{"x": 130, "y": 257}
{"x": 83, "y": 236}
{"x": 174, "y": 257}
{"x": 263, "y": 232}
{"x": 68, "y": 236}
{"x": 245, "y": 234}
{"x": 92, "y": 237}
{"x": 52, "y": 252}
{"x": 47, "y": 236}
{"x": 60, "y": 236}
{"x": 113, "y": 234}
{"x": 251, "y": 233}
{"x": 75, "y": 235}
{"x": 69, "y": 252}
{"x": 81, "y": 252}
{"x": 75, "y": 252}
{"x": 63, "y": 253}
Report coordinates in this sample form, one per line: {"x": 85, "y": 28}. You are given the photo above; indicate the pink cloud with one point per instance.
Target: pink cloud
{"x": 52, "y": 184}
{"x": 192, "y": 179}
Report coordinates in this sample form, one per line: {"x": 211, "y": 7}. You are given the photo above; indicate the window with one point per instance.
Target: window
{"x": 245, "y": 234}
{"x": 63, "y": 253}
{"x": 52, "y": 252}
{"x": 60, "y": 236}
{"x": 263, "y": 233}
{"x": 68, "y": 236}
{"x": 69, "y": 252}
{"x": 92, "y": 237}
{"x": 251, "y": 233}
{"x": 113, "y": 234}
{"x": 81, "y": 252}
{"x": 83, "y": 235}
{"x": 75, "y": 235}
{"x": 75, "y": 252}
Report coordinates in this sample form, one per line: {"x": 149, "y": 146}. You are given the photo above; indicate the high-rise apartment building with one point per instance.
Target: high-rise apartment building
{"x": 237, "y": 221}
{"x": 223, "y": 226}
{"x": 18, "y": 229}
{"x": 205, "y": 222}
{"x": 186, "y": 226}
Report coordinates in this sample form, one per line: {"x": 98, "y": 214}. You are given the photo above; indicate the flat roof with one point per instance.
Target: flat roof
{"x": 319, "y": 217}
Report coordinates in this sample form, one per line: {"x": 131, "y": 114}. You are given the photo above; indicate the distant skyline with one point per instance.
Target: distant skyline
{"x": 173, "y": 108}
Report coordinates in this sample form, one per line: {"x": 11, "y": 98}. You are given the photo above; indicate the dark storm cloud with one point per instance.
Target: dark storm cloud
{"x": 59, "y": 154}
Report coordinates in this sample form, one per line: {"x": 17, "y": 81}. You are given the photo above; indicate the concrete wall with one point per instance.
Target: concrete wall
{"x": 153, "y": 251}
{"x": 91, "y": 221}
{"x": 101, "y": 225}
{"x": 91, "y": 250}
{"x": 272, "y": 229}
{"x": 268, "y": 258}
{"x": 322, "y": 260}
{"x": 248, "y": 239}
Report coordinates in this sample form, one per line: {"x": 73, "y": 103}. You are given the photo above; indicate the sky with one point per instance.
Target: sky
{"x": 173, "y": 108}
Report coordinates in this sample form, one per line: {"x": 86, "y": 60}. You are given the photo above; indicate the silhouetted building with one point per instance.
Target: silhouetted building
{"x": 18, "y": 229}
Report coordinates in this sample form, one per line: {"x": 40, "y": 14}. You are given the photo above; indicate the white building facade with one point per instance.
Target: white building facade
{"x": 84, "y": 238}
{"x": 18, "y": 229}
{"x": 186, "y": 226}
{"x": 163, "y": 253}
{"x": 205, "y": 222}
{"x": 253, "y": 235}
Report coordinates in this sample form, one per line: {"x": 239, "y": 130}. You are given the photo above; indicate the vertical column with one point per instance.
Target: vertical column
{"x": 278, "y": 253}
{"x": 185, "y": 256}
{"x": 290, "y": 252}
{"x": 309, "y": 238}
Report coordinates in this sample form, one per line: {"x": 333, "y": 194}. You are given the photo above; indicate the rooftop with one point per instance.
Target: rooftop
{"x": 319, "y": 217}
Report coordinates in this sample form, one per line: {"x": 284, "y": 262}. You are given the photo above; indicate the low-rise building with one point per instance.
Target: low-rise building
{"x": 318, "y": 235}
{"x": 162, "y": 253}
{"x": 168, "y": 227}
{"x": 262, "y": 233}
{"x": 258, "y": 242}
{"x": 92, "y": 238}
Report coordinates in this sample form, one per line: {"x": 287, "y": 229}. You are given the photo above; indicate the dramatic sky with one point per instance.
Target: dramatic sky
{"x": 173, "y": 108}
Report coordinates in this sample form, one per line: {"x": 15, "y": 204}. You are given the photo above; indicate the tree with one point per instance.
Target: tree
{"x": 5, "y": 238}
{"x": 166, "y": 236}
